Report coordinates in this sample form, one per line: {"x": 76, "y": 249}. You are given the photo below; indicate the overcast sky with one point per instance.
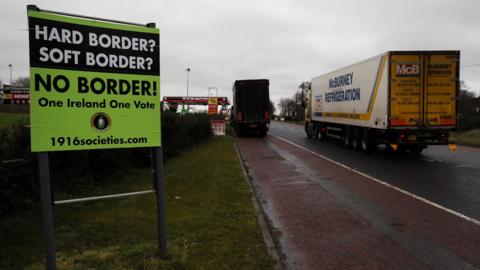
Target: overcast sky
{"x": 286, "y": 42}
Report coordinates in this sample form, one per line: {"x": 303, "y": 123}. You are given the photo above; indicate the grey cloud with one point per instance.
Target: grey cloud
{"x": 284, "y": 41}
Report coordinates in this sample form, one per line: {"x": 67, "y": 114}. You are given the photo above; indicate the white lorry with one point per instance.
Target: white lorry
{"x": 403, "y": 99}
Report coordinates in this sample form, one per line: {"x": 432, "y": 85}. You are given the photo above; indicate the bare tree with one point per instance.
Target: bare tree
{"x": 304, "y": 86}
{"x": 22, "y": 81}
{"x": 293, "y": 107}
{"x": 468, "y": 108}
{"x": 287, "y": 107}
{"x": 299, "y": 110}
{"x": 300, "y": 98}
{"x": 271, "y": 108}
{"x": 283, "y": 103}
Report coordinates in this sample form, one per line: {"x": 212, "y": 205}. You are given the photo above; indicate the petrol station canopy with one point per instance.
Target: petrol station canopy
{"x": 195, "y": 100}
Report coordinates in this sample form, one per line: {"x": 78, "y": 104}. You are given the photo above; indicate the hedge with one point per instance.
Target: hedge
{"x": 77, "y": 171}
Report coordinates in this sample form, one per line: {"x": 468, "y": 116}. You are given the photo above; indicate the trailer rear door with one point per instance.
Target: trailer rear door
{"x": 441, "y": 89}
{"x": 405, "y": 89}
{"x": 423, "y": 89}
{"x": 252, "y": 100}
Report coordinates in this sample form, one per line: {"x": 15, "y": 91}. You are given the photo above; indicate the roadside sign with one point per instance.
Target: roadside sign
{"x": 94, "y": 84}
{"x": 212, "y": 101}
{"x": 212, "y": 105}
{"x": 218, "y": 127}
{"x": 16, "y": 95}
{"x": 212, "y": 109}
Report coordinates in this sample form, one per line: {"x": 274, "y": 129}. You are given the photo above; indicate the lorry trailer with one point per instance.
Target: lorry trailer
{"x": 406, "y": 100}
{"x": 251, "y": 104}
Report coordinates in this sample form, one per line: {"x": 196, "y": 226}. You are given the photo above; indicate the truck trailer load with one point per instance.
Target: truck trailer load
{"x": 403, "y": 99}
{"x": 251, "y": 103}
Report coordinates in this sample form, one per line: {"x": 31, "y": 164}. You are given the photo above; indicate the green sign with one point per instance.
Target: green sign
{"x": 93, "y": 84}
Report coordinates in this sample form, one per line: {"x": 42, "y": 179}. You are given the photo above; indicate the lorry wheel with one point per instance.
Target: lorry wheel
{"x": 366, "y": 145}
{"x": 322, "y": 136}
{"x": 347, "y": 138}
{"x": 307, "y": 131}
{"x": 346, "y": 141}
{"x": 357, "y": 139}
{"x": 415, "y": 149}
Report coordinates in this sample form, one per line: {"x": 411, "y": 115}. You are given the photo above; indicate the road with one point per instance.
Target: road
{"x": 334, "y": 208}
{"x": 450, "y": 179}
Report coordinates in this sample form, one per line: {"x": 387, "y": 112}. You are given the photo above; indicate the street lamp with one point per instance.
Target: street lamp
{"x": 10, "y": 66}
{"x": 188, "y": 104}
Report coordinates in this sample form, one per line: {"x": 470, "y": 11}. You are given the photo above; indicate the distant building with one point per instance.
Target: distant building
{"x": 13, "y": 94}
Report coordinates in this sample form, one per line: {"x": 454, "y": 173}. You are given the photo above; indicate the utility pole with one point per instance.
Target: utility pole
{"x": 188, "y": 104}
{"x": 10, "y": 66}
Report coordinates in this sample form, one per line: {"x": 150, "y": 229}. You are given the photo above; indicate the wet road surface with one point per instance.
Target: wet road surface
{"x": 326, "y": 216}
{"x": 450, "y": 179}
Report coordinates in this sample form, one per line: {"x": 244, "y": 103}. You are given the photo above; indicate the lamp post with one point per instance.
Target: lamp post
{"x": 10, "y": 66}
{"x": 188, "y": 104}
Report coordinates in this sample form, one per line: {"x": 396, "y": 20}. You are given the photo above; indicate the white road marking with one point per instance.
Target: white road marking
{"x": 462, "y": 216}
{"x": 432, "y": 160}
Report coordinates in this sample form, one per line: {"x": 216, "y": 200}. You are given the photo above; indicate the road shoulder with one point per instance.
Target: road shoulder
{"x": 318, "y": 204}
{"x": 262, "y": 218}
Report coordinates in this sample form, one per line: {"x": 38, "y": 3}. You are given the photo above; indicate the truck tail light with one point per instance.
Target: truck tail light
{"x": 401, "y": 136}
{"x": 239, "y": 116}
{"x": 267, "y": 115}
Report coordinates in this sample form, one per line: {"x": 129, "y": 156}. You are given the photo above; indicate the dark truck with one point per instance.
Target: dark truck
{"x": 251, "y": 103}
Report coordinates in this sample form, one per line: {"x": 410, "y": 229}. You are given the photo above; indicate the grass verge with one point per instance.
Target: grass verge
{"x": 211, "y": 221}
{"x": 470, "y": 138}
{"x": 7, "y": 119}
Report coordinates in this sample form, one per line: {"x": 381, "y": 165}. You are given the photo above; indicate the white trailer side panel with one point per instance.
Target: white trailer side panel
{"x": 354, "y": 95}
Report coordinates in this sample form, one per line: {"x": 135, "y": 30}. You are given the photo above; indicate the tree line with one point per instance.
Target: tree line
{"x": 293, "y": 108}
{"x": 20, "y": 81}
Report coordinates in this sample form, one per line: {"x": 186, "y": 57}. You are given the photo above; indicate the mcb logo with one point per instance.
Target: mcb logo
{"x": 408, "y": 69}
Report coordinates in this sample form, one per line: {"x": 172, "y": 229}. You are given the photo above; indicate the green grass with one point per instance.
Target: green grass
{"x": 211, "y": 222}
{"x": 471, "y": 138}
{"x": 7, "y": 119}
